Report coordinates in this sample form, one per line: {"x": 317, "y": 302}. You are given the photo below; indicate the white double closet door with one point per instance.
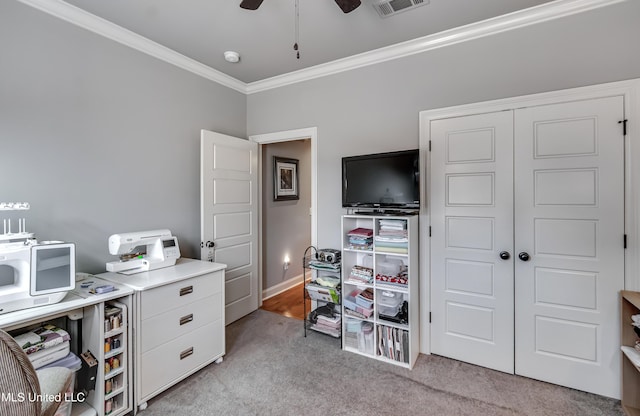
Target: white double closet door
{"x": 527, "y": 252}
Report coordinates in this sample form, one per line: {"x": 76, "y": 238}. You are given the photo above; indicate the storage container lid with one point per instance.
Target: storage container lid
{"x": 71, "y": 361}
{"x": 387, "y": 298}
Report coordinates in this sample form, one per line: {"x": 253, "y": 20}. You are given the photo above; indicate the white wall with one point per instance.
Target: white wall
{"x": 375, "y": 108}
{"x": 101, "y": 138}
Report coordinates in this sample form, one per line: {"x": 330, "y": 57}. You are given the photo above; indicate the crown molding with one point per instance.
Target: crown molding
{"x": 102, "y": 27}
{"x": 538, "y": 14}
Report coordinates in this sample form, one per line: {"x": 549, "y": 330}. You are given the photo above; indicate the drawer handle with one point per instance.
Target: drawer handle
{"x": 184, "y": 354}
{"x": 186, "y": 319}
{"x": 186, "y": 290}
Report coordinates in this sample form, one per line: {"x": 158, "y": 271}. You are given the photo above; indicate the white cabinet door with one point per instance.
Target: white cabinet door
{"x": 229, "y": 223}
{"x": 569, "y": 193}
{"x": 472, "y": 223}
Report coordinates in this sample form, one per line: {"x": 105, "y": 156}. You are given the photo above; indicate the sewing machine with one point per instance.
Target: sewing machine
{"x": 143, "y": 251}
{"x": 33, "y": 274}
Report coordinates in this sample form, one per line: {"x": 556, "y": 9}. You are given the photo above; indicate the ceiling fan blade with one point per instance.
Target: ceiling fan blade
{"x": 250, "y": 4}
{"x": 348, "y": 5}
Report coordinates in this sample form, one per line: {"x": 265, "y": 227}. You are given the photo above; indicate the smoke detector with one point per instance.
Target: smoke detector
{"x": 386, "y": 8}
{"x": 232, "y": 56}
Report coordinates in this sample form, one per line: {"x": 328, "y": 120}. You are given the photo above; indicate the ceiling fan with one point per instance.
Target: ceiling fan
{"x": 345, "y": 5}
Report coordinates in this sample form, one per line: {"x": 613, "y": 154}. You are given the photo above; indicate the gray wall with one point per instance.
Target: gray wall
{"x": 100, "y": 138}
{"x": 286, "y": 225}
{"x": 375, "y": 108}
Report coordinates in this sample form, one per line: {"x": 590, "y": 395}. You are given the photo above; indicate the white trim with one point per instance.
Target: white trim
{"x": 281, "y": 287}
{"x": 424, "y": 254}
{"x": 109, "y": 30}
{"x": 572, "y": 94}
{"x": 510, "y": 21}
{"x": 630, "y": 90}
{"x": 632, "y": 186}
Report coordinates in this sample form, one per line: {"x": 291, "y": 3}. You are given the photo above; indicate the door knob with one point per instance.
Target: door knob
{"x": 524, "y": 256}
{"x": 504, "y": 255}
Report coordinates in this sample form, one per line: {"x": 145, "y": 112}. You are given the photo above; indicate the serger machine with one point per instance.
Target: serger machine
{"x": 143, "y": 251}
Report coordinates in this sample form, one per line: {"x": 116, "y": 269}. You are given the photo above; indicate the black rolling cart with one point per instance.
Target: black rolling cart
{"x": 322, "y": 285}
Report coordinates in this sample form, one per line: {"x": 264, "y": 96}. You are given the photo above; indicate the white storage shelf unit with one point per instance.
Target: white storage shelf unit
{"x": 630, "y": 400}
{"x": 379, "y": 331}
{"x": 112, "y": 395}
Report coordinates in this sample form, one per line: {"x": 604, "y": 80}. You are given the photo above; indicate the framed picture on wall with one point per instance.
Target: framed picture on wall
{"x": 285, "y": 179}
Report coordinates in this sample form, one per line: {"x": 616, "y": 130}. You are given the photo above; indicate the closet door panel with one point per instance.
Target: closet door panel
{"x": 472, "y": 222}
{"x": 569, "y": 219}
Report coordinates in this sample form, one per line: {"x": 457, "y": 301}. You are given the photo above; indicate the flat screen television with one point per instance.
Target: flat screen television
{"x": 382, "y": 180}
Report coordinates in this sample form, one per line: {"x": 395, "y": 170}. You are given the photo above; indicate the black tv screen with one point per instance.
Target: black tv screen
{"x": 382, "y": 180}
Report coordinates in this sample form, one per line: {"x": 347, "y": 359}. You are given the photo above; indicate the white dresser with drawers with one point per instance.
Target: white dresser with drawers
{"x": 178, "y": 323}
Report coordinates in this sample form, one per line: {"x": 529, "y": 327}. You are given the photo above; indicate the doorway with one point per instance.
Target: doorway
{"x": 281, "y": 251}
{"x": 286, "y": 223}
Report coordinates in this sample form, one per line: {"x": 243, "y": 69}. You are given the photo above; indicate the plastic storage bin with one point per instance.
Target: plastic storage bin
{"x": 391, "y": 267}
{"x": 73, "y": 363}
{"x": 389, "y": 302}
{"x": 365, "y": 298}
{"x": 350, "y": 303}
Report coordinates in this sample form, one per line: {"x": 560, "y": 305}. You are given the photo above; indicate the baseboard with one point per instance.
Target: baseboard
{"x": 281, "y": 287}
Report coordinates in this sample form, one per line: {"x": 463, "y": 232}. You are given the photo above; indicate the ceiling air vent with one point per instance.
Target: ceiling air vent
{"x": 386, "y": 8}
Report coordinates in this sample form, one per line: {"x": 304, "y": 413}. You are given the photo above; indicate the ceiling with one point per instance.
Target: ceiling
{"x": 204, "y": 29}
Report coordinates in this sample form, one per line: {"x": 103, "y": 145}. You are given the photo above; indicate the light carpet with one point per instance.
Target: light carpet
{"x": 270, "y": 368}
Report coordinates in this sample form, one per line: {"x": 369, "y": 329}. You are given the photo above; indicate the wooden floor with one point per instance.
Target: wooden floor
{"x": 288, "y": 303}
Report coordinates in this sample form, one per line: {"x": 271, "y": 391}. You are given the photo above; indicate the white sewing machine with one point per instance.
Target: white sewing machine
{"x": 143, "y": 251}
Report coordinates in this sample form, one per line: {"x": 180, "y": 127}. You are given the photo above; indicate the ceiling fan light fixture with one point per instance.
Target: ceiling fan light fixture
{"x": 232, "y": 56}
{"x": 251, "y": 4}
{"x": 348, "y": 5}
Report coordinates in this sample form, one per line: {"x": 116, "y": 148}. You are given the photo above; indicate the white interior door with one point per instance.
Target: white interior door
{"x": 471, "y": 225}
{"x": 569, "y": 189}
{"x": 229, "y": 217}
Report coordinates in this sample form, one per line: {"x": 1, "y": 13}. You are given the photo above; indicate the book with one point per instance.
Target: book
{"x": 405, "y": 346}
